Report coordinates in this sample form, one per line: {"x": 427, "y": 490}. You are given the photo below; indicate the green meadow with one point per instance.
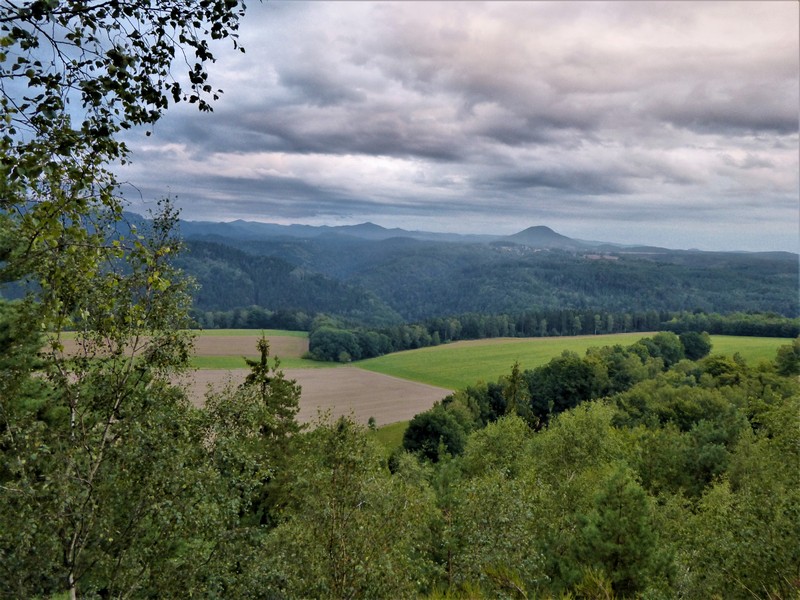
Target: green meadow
{"x": 390, "y": 436}
{"x": 461, "y": 364}
{"x": 752, "y": 349}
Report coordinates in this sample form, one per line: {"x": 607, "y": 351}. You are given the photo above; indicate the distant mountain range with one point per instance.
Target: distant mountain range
{"x": 538, "y": 236}
{"x": 369, "y": 274}
{"x": 366, "y": 231}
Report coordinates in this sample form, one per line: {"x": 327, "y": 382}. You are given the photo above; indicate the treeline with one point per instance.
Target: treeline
{"x": 330, "y": 340}
{"x": 252, "y": 317}
{"x": 749, "y": 324}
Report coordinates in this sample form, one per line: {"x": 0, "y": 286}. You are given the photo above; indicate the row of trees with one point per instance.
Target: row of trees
{"x": 252, "y": 317}
{"x": 331, "y": 340}
{"x": 750, "y": 324}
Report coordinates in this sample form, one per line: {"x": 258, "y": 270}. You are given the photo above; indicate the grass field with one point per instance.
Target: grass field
{"x": 391, "y": 436}
{"x": 753, "y": 349}
{"x": 461, "y": 364}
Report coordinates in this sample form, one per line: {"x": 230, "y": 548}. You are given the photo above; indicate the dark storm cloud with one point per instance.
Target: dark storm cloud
{"x": 608, "y": 111}
{"x": 381, "y": 131}
{"x": 580, "y": 182}
{"x": 754, "y": 108}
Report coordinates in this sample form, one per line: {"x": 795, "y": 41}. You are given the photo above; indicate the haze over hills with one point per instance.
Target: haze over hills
{"x": 369, "y": 231}
{"x": 537, "y": 236}
{"x": 540, "y": 236}
{"x": 370, "y": 274}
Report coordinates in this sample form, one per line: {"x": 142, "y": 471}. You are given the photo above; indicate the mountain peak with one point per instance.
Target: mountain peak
{"x": 538, "y": 229}
{"x": 542, "y": 237}
{"x": 368, "y": 226}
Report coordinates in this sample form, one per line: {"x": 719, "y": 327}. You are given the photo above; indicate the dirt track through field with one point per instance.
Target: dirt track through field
{"x": 342, "y": 391}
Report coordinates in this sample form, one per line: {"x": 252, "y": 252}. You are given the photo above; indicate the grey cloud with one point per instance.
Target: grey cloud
{"x": 748, "y": 108}
{"x": 320, "y": 88}
{"x": 541, "y": 110}
{"x": 750, "y": 161}
{"x": 566, "y": 180}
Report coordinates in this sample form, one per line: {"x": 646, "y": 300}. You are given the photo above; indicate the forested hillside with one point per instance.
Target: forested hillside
{"x": 408, "y": 279}
{"x": 228, "y": 278}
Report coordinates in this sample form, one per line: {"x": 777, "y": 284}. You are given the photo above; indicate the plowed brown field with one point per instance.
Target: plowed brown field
{"x": 245, "y": 345}
{"x": 234, "y": 345}
{"x": 342, "y": 391}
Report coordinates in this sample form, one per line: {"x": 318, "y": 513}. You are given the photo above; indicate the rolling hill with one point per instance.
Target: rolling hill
{"x": 373, "y": 275}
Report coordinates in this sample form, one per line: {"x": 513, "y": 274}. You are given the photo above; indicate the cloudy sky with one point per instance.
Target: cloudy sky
{"x": 671, "y": 123}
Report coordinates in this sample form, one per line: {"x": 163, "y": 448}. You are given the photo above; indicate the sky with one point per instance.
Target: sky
{"x": 666, "y": 123}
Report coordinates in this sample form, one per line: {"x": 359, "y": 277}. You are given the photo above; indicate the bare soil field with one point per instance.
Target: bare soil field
{"x": 240, "y": 345}
{"x": 233, "y": 345}
{"x": 342, "y": 391}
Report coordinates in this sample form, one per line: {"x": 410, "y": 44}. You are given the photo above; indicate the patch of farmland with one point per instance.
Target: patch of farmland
{"x": 242, "y": 345}
{"x": 459, "y": 364}
{"x": 342, "y": 391}
{"x": 283, "y": 346}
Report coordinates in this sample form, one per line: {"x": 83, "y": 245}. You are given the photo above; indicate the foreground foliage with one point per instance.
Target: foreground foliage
{"x": 677, "y": 481}
{"x": 105, "y": 485}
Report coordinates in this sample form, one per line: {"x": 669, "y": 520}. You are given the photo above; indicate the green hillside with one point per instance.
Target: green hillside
{"x": 461, "y": 364}
{"x": 385, "y": 282}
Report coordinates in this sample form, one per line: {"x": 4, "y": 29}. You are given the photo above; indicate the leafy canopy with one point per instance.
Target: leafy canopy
{"x": 73, "y": 75}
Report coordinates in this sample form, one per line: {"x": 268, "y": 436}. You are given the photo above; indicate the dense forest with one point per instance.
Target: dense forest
{"x": 386, "y": 282}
